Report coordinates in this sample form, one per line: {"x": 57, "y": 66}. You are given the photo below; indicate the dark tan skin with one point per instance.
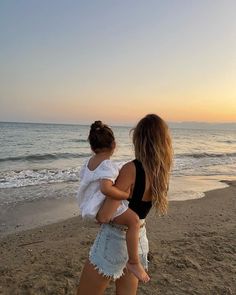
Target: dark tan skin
{"x": 91, "y": 282}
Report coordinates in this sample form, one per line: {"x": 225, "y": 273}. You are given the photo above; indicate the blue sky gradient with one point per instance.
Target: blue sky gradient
{"x": 74, "y": 61}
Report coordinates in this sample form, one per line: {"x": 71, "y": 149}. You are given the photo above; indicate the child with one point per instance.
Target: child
{"x": 97, "y": 177}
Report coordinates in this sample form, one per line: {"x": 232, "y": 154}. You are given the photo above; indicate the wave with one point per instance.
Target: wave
{"x": 43, "y": 157}
{"x": 205, "y": 155}
{"x": 30, "y": 177}
{"x": 79, "y": 140}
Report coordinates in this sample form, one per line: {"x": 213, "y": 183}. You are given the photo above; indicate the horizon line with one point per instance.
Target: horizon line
{"x": 122, "y": 125}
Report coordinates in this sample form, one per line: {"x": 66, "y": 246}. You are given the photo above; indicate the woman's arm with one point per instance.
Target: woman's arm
{"x": 126, "y": 177}
{"x": 124, "y": 182}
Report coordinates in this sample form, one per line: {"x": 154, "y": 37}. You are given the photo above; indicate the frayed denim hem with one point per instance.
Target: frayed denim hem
{"x": 101, "y": 271}
{"x": 108, "y": 253}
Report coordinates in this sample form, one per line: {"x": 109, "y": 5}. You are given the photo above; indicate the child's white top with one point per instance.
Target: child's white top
{"x": 90, "y": 197}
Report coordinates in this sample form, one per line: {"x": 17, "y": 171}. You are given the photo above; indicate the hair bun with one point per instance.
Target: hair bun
{"x": 97, "y": 125}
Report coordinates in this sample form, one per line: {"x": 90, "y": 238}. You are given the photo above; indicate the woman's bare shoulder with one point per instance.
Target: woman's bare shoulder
{"x": 126, "y": 176}
{"x": 127, "y": 171}
{"x": 128, "y": 167}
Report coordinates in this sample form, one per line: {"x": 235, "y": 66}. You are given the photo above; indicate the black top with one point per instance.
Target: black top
{"x": 141, "y": 208}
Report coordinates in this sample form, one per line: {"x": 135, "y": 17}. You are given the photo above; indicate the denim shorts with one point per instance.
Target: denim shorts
{"x": 108, "y": 253}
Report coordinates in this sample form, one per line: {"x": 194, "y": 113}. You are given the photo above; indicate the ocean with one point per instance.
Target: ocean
{"x": 36, "y": 158}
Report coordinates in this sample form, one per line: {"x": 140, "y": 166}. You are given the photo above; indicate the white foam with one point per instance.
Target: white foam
{"x": 13, "y": 179}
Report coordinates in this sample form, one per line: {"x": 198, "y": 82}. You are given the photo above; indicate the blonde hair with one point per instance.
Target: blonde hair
{"x": 153, "y": 148}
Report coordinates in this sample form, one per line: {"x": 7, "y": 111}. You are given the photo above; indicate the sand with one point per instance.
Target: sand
{"x": 192, "y": 251}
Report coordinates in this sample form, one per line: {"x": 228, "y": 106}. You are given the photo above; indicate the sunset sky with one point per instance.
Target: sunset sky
{"x": 78, "y": 61}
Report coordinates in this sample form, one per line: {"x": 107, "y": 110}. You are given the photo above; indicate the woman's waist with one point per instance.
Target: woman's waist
{"x": 125, "y": 227}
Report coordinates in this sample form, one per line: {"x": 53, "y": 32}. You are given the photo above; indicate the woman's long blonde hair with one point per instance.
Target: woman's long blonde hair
{"x": 153, "y": 148}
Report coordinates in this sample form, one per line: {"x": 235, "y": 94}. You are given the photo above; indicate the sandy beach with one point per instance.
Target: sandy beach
{"x": 192, "y": 251}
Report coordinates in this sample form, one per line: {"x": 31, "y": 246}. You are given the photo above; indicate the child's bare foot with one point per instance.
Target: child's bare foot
{"x": 138, "y": 270}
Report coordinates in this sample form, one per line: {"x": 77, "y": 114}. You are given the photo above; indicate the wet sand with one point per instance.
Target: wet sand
{"x": 192, "y": 251}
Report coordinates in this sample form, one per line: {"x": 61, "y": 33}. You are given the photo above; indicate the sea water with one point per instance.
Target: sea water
{"x": 36, "y": 158}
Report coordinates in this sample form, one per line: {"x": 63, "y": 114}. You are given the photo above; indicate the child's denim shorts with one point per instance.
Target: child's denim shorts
{"x": 108, "y": 253}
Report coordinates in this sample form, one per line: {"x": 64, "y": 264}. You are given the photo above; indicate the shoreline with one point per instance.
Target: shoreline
{"x": 192, "y": 251}
{"x": 60, "y": 203}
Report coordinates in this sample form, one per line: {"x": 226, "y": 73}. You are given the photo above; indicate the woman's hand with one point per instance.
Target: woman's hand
{"x": 102, "y": 219}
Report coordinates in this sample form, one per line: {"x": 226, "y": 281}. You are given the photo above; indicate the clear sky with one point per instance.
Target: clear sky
{"x": 116, "y": 60}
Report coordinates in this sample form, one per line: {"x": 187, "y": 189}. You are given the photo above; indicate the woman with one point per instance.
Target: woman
{"x": 147, "y": 177}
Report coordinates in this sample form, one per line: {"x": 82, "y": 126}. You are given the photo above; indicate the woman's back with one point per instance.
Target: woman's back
{"x": 140, "y": 201}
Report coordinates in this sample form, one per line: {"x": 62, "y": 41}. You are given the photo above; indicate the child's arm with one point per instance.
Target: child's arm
{"x": 112, "y": 202}
{"x": 124, "y": 182}
{"x": 109, "y": 190}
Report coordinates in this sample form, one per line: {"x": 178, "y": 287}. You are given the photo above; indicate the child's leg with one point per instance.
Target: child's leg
{"x": 131, "y": 219}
